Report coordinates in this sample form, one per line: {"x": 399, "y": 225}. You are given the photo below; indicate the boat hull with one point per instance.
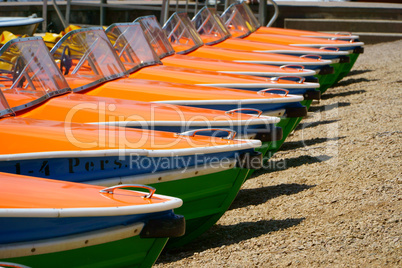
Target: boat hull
{"x": 231, "y": 67}
{"x": 211, "y": 198}
{"x": 325, "y": 80}
{"x": 76, "y": 168}
{"x": 20, "y": 25}
{"x": 215, "y": 79}
{"x": 195, "y": 96}
{"x": 302, "y": 33}
{"x": 128, "y": 252}
{"x": 355, "y": 48}
{"x": 206, "y": 192}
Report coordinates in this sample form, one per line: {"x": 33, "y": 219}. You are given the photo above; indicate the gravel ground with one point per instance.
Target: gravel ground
{"x": 333, "y": 195}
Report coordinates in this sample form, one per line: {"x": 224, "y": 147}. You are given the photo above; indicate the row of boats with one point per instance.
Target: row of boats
{"x": 94, "y": 120}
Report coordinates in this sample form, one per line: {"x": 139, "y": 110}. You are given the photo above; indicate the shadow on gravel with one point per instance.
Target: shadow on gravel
{"x": 350, "y": 81}
{"x": 327, "y": 96}
{"x": 314, "y": 124}
{"x": 220, "y": 235}
{"x": 356, "y": 72}
{"x": 260, "y": 195}
{"x": 328, "y": 107}
{"x": 292, "y": 145}
{"x": 283, "y": 164}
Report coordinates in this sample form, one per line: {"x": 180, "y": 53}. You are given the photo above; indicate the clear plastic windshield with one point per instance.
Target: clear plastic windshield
{"x": 156, "y": 36}
{"x": 86, "y": 58}
{"x": 248, "y": 15}
{"x": 131, "y": 45}
{"x": 210, "y": 26}
{"x": 28, "y": 73}
{"x": 182, "y": 34}
{"x": 234, "y": 18}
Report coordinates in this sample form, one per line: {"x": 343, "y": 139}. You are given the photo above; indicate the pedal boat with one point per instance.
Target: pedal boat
{"x": 300, "y": 41}
{"x": 193, "y": 44}
{"x": 200, "y": 50}
{"x": 214, "y": 33}
{"x": 180, "y": 32}
{"x": 40, "y": 99}
{"x": 248, "y": 16}
{"x": 240, "y": 21}
{"x": 20, "y": 25}
{"x": 147, "y": 75}
{"x": 205, "y": 172}
{"x": 128, "y": 38}
{"x": 43, "y": 101}
{"x": 133, "y": 33}
{"x": 84, "y": 81}
{"x": 159, "y": 72}
{"x": 48, "y": 223}
{"x": 243, "y": 51}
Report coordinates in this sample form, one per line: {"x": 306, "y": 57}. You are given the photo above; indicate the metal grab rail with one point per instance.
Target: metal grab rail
{"x": 110, "y": 190}
{"x": 231, "y": 112}
{"x": 276, "y": 13}
{"x": 263, "y": 91}
{"x": 191, "y": 133}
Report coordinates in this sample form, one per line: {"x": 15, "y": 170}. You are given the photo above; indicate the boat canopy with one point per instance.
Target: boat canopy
{"x": 86, "y": 58}
{"x": 156, "y": 36}
{"x": 28, "y": 71}
{"x": 210, "y": 26}
{"x": 238, "y": 21}
{"x": 248, "y": 15}
{"x": 132, "y": 46}
{"x": 182, "y": 34}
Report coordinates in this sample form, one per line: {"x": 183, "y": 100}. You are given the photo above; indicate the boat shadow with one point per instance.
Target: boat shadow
{"x": 347, "y": 82}
{"x": 356, "y": 72}
{"x": 292, "y": 145}
{"x": 330, "y": 95}
{"x": 224, "y": 235}
{"x": 314, "y": 124}
{"x": 263, "y": 194}
{"x": 283, "y": 164}
{"x": 328, "y": 107}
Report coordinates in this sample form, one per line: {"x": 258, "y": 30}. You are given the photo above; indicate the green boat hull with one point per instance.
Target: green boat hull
{"x": 268, "y": 149}
{"x": 205, "y": 199}
{"x": 340, "y": 71}
{"x": 306, "y": 103}
{"x": 328, "y": 80}
{"x": 348, "y": 66}
{"x": 288, "y": 125}
{"x": 128, "y": 252}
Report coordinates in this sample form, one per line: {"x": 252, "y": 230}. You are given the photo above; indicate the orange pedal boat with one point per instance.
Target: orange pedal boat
{"x": 125, "y": 35}
{"x": 47, "y": 222}
{"x": 87, "y": 75}
{"x": 182, "y": 46}
{"x": 131, "y": 44}
{"x": 32, "y": 96}
{"x": 198, "y": 169}
{"x": 207, "y": 19}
